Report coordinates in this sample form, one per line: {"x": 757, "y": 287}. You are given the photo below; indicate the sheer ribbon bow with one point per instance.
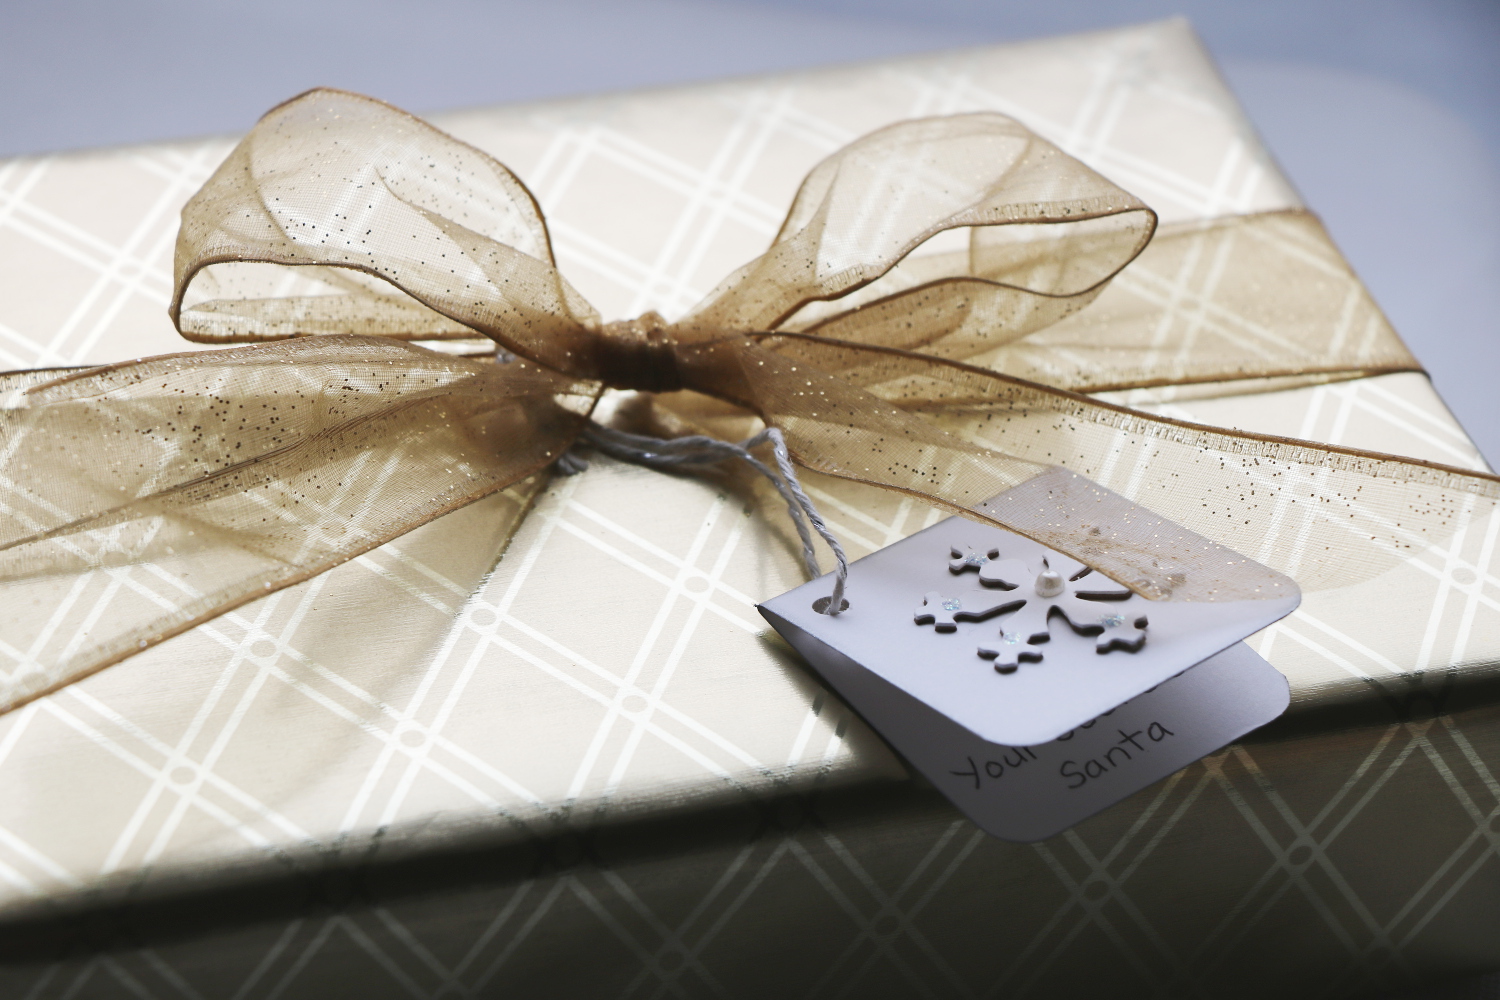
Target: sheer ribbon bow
{"x": 918, "y": 324}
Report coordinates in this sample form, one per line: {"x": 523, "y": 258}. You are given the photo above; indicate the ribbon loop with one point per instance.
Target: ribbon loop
{"x": 1037, "y": 220}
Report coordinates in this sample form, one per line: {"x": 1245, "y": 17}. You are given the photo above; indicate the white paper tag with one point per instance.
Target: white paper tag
{"x": 1006, "y": 638}
{"x": 1031, "y": 793}
{"x": 1030, "y": 691}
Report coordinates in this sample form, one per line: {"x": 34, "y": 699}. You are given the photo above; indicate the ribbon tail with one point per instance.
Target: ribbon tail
{"x": 139, "y": 500}
{"x": 1195, "y": 513}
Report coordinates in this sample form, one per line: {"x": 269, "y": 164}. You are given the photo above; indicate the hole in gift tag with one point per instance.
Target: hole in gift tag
{"x": 821, "y": 605}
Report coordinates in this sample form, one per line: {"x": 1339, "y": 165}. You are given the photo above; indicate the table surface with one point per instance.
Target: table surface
{"x": 1382, "y": 112}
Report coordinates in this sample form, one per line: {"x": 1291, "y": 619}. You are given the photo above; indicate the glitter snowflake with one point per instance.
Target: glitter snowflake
{"x": 1053, "y": 587}
{"x": 944, "y": 613}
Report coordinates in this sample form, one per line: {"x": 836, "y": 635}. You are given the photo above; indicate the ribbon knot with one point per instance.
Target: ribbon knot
{"x": 639, "y": 354}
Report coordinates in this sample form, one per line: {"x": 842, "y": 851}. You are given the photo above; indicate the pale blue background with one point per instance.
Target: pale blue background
{"x": 1383, "y": 112}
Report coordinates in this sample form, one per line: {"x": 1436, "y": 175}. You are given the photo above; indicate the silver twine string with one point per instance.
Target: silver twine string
{"x": 698, "y": 450}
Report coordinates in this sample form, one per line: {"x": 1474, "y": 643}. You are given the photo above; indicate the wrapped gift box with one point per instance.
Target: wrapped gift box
{"x": 575, "y": 762}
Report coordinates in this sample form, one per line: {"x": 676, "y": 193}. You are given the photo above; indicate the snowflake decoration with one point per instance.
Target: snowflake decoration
{"x": 1053, "y": 587}
{"x": 969, "y": 558}
{"x": 944, "y": 613}
{"x": 1004, "y": 574}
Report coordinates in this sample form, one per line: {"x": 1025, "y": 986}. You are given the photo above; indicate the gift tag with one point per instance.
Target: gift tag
{"x": 1008, "y": 639}
{"x": 1031, "y": 793}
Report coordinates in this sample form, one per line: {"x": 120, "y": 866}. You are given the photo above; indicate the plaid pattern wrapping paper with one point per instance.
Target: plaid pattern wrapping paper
{"x": 576, "y": 763}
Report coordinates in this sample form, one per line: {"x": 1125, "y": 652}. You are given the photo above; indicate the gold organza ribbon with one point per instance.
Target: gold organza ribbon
{"x": 918, "y": 323}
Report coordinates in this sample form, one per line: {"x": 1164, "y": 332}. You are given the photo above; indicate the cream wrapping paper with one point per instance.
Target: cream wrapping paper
{"x": 586, "y": 768}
